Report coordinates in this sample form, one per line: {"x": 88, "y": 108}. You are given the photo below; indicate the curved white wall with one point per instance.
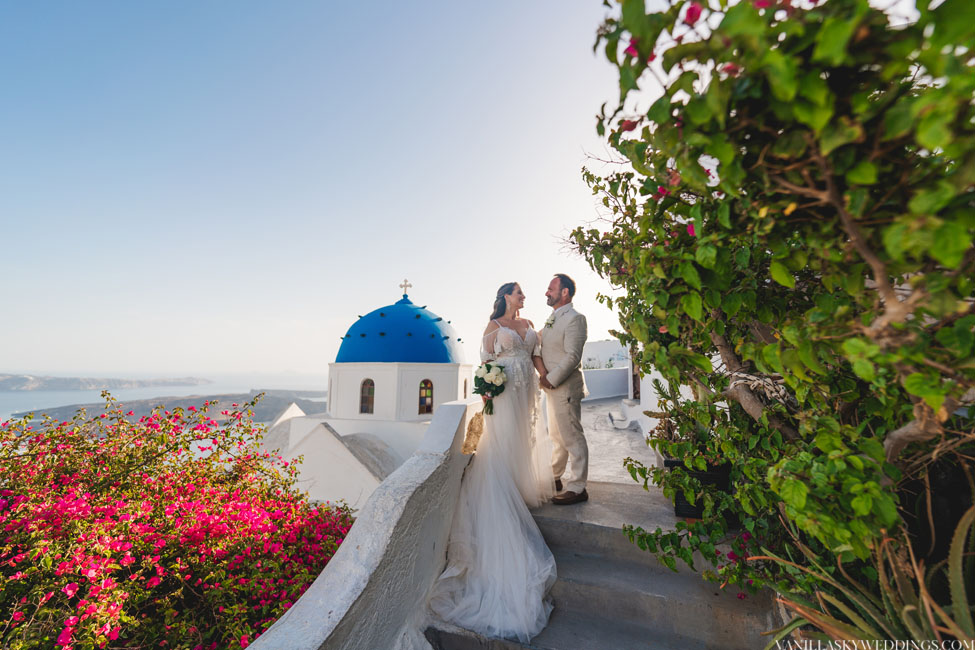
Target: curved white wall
{"x": 372, "y": 594}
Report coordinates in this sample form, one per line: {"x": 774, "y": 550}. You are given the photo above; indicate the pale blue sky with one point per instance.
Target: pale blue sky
{"x": 211, "y": 187}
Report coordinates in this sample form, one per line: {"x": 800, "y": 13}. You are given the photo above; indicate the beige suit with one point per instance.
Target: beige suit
{"x": 562, "y": 343}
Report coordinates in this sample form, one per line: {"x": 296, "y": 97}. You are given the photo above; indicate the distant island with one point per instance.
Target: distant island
{"x": 32, "y": 382}
{"x": 273, "y": 403}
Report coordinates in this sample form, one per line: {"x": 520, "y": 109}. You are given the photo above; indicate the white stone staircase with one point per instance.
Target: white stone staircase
{"x": 610, "y": 595}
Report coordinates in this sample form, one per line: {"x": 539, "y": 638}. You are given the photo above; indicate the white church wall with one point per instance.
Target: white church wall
{"x": 346, "y": 381}
{"x": 444, "y": 379}
{"x": 403, "y": 437}
{"x": 330, "y": 472}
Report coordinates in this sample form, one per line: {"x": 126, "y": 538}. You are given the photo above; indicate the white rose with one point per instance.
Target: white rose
{"x": 480, "y": 372}
{"x": 498, "y": 380}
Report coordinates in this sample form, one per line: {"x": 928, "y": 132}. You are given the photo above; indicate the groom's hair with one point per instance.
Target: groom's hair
{"x": 565, "y": 282}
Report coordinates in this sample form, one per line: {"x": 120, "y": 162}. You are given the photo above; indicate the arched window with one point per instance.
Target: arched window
{"x": 367, "y": 396}
{"x": 465, "y": 389}
{"x": 426, "y": 397}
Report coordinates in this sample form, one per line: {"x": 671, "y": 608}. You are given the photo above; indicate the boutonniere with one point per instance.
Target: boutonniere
{"x": 550, "y": 321}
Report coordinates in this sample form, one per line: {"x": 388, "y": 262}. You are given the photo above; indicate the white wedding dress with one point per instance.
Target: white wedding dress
{"x": 499, "y": 569}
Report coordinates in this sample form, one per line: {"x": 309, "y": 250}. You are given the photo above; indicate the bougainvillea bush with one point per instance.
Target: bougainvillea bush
{"x": 172, "y": 531}
{"x": 792, "y": 218}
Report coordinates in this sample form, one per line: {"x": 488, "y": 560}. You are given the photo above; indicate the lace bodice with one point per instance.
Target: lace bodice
{"x": 510, "y": 350}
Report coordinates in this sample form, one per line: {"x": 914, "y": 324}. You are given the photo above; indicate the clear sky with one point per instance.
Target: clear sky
{"x": 217, "y": 187}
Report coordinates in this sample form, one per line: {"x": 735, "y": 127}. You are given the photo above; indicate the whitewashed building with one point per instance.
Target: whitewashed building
{"x": 395, "y": 367}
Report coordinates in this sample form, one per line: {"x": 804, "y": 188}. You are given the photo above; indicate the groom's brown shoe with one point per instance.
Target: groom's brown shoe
{"x": 558, "y": 485}
{"x": 570, "y": 497}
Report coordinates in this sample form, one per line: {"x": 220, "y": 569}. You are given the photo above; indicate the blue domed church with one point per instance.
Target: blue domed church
{"x": 397, "y": 363}
{"x": 395, "y": 366}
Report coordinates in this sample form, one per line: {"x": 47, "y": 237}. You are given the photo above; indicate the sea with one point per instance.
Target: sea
{"x": 18, "y": 401}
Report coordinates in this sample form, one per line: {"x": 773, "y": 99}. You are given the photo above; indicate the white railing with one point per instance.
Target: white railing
{"x": 607, "y": 382}
{"x": 372, "y": 594}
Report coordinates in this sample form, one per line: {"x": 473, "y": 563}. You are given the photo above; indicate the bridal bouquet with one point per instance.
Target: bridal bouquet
{"x": 489, "y": 381}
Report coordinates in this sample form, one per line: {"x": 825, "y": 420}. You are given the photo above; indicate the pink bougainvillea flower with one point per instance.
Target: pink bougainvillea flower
{"x": 18, "y": 616}
{"x": 631, "y": 49}
{"x": 71, "y": 589}
{"x": 763, "y": 4}
{"x": 732, "y": 69}
{"x": 627, "y": 125}
{"x": 244, "y": 641}
{"x": 653, "y": 55}
{"x": 690, "y": 230}
{"x": 693, "y": 14}
{"x": 65, "y": 637}
{"x": 662, "y": 329}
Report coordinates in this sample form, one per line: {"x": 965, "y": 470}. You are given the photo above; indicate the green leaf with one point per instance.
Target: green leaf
{"x": 862, "y": 504}
{"x": 934, "y": 131}
{"x": 742, "y": 20}
{"x": 838, "y": 133}
{"x": 781, "y": 72}
{"x": 691, "y": 305}
{"x": 697, "y": 111}
{"x": 706, "y": 255}
{"x": 864, "y": 369}
{"x": 781, "y": 274}
{"x": 951, "y": 242}
{"x": 865, "y": 173}
{"x": 794, "y": 493}
{"x": 812, "y": 115}
{"x": 690, "y": 275}
{"x": 660, "y": 110}
{"x": 814, "y": 88}
{"x": 956, "y": 580}
{"x": 724, "y": 215}
{"x": 701, "y": 362}
{"x": 789, "y": 145}
{"x": 808, "y": 356}
{"x": 894, "y": 240}
{"x": 832, "y": 39}
{"x": 931, "y": 200}
{"x": 731, "y": 303}
{"x": 899, "y": 119}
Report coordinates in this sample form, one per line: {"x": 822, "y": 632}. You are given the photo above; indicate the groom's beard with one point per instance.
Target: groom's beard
{"x": 550, "y": 302}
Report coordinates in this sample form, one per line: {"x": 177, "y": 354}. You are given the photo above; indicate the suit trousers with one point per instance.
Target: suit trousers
{"x": 570, "y": 453}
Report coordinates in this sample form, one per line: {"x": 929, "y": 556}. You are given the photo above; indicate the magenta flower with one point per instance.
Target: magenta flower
{"x": 732, "y": 69}
{"x": 71, "y": 589}
{"x": 693, "y": 13}
{"x": 631, "y": 49}
{"x": 65, "y": 637}
{"x": 627, "y": 125}
{"x": 690, "y": 229}
{"x": 763, "y": 4}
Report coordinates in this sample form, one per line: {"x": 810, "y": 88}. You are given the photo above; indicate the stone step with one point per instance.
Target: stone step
{"x": 595, "y": 527}
{"x": 680, "y": 608}
{"x": 567, "y": 630}
{"x": 611, "y": 595}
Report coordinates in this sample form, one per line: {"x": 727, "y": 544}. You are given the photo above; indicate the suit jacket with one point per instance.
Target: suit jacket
{"x": 562, "y": 343}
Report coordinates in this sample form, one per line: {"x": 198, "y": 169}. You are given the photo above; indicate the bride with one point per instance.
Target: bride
{"x": 499, "y": 570}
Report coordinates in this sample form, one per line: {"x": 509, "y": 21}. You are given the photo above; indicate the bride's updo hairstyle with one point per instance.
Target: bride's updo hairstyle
{"x": 499, "y": 303}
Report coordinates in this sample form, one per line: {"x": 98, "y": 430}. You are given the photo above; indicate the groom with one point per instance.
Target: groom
{"x": 562, "y": 338}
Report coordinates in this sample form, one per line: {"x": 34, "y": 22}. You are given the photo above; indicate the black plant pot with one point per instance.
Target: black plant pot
{"x": 718, "y": 475}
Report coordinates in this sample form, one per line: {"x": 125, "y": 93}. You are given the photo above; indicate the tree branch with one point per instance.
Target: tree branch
{"x": 744, "y": 396}
{"x": 894, "y": 309}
